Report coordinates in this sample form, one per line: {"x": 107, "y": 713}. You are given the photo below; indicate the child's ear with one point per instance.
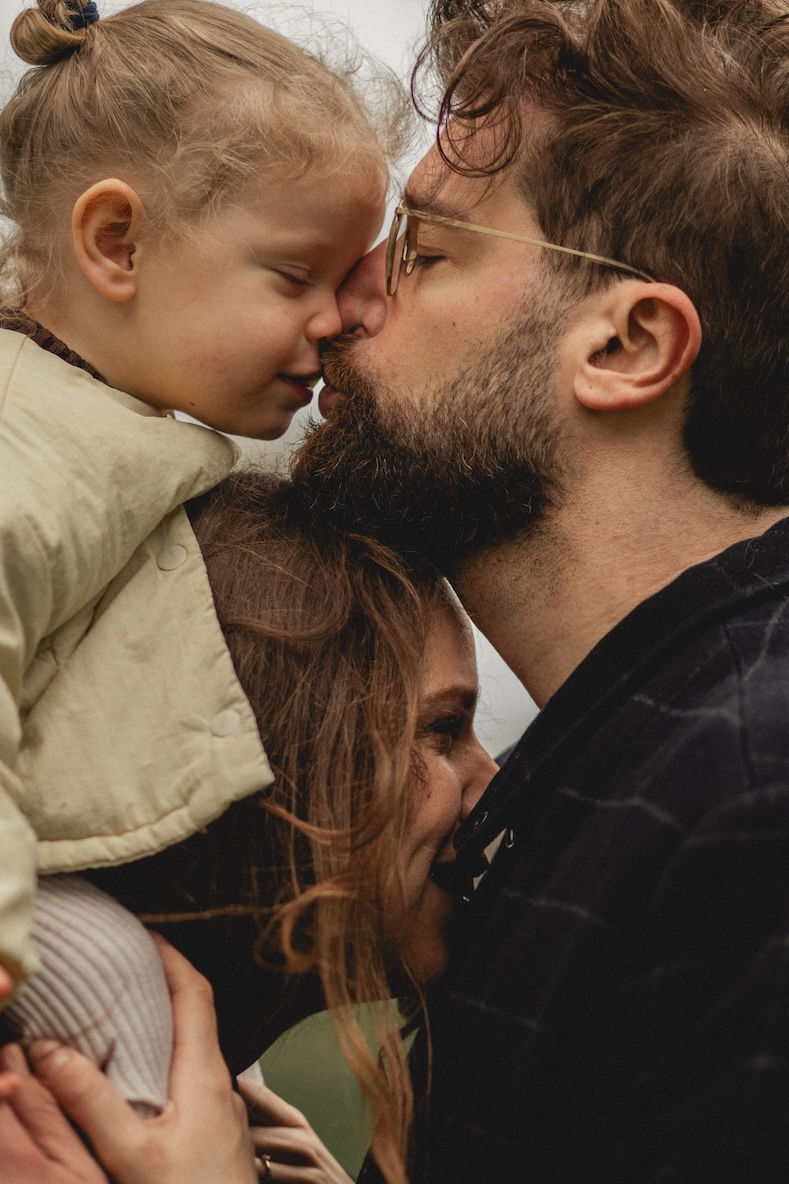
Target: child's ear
{"x": 642, "y": 339}
{"x": 105, "y": 226}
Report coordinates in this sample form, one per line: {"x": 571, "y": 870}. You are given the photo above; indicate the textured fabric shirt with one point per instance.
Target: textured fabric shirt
{"x": 619, "y": 1009}
{"x": 123, "y": 727}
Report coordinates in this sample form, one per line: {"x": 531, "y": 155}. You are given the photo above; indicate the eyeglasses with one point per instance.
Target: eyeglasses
{"x": 402, "y": 253}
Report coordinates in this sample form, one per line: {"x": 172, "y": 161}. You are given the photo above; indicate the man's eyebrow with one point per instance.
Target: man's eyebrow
{"x": 432, "y": 205}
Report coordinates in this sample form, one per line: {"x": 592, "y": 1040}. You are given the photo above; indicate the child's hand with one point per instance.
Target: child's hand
{"x": 287, "y": 1147}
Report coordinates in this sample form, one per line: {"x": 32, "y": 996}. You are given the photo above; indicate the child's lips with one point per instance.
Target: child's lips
{"x": 301, "y": 384}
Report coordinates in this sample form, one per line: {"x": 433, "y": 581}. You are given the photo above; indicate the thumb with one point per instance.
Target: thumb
{"x": 88, "y": 1097}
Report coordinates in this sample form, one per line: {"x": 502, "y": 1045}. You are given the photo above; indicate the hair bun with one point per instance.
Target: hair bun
{"x": 43, "y": 34}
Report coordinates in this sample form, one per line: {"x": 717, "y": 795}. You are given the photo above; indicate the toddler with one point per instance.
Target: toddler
{"x": 186, "y": 189}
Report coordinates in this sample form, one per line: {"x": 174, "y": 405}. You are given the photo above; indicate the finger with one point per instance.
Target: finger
{"x": 9, "y": 1083}
{"x": 288, "y": 1145}
{"x": 195, "y": 1040}
{"x": 23, "y": 1158}
{"x": 6, "y": 983}
{"x": 269, "y": 1107}
{"x": 88, "y": 1097}
{"x": 283, "y": 1173}
{"x": 20, "y": 1159}
{"x": 297, "y": 1156}
{"x": 13, "y": 1067}
{"x": 47, "y": 1128}
{"x": 288, "y": 1173}
{"x": 12, "y": 1059}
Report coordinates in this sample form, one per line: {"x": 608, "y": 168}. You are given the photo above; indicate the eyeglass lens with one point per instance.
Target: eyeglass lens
{"x": 394, "y": 251}
{"x": 400, "y": 250}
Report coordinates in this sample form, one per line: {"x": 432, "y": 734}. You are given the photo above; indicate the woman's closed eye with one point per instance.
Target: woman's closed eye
{"x": 445, "y": 731}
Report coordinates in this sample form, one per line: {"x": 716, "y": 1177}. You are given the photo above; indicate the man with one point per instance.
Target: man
{"x": 591, "y": 436}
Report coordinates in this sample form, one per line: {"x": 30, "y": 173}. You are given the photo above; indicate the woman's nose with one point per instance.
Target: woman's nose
{"x": 482, "y": 769}
{"x": 362, "y": 298}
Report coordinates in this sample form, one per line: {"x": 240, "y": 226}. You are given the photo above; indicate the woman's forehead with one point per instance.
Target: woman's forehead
{"x": 449, "y": 664}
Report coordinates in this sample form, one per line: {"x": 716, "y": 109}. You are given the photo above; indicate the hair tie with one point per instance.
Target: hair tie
{"x": 82, "y": 17}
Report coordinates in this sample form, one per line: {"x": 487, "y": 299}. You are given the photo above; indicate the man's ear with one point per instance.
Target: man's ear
{"x": 105, "y": 224}
{"x": 639, "y": 341}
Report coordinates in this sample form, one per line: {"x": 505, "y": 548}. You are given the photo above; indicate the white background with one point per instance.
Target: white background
{"x": 389, "y": 29}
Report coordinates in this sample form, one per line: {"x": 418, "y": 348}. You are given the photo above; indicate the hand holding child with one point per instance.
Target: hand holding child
{"x": 201, "y": 1137}
{"x": 37, "y": 1143}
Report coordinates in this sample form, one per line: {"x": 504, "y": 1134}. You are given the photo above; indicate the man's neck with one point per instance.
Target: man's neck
{"x": 545, "y": 600}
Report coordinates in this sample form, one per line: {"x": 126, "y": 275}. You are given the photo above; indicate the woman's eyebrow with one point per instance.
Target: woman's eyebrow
{"x": 460, "y": 693}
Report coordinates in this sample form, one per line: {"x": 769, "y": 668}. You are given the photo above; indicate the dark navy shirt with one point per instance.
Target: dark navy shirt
{"x": 619, "y": 1007}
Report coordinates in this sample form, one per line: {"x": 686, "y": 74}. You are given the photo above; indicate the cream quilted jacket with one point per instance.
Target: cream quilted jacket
{"x": 123, "y": 728}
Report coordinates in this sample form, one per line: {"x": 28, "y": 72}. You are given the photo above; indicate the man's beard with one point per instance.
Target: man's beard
{"x": 473, "y": 466}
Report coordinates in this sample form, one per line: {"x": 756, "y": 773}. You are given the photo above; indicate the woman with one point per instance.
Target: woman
{"x": 362, "y": 678}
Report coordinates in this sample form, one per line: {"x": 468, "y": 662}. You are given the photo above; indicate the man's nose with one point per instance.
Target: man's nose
{"x": 362, "y": 298}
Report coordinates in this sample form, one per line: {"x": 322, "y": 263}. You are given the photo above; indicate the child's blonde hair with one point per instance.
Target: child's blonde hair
{"x": 186, "y": 100}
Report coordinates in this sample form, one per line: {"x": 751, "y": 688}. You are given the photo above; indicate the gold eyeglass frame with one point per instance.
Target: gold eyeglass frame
{"x": 409, "y": 255}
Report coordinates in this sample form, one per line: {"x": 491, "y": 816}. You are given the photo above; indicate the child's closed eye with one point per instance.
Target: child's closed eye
{"x": 298, "y": 281}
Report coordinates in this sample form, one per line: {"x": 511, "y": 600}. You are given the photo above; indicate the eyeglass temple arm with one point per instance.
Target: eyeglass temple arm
{"x": 519, "y": 238}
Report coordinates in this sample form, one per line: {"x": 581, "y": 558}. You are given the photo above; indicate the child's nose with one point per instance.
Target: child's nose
{"x": 326, "y": 322}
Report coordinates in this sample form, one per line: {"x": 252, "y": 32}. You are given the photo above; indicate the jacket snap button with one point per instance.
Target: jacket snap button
{"x": 509, "y": 838}
{"x": 225, "y": 722}
{"x": 482, "y": 818}
{"x": 171, "y": 557}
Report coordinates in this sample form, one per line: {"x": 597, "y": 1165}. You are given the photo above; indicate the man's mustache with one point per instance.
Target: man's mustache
{"x": 333, "y": 356}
